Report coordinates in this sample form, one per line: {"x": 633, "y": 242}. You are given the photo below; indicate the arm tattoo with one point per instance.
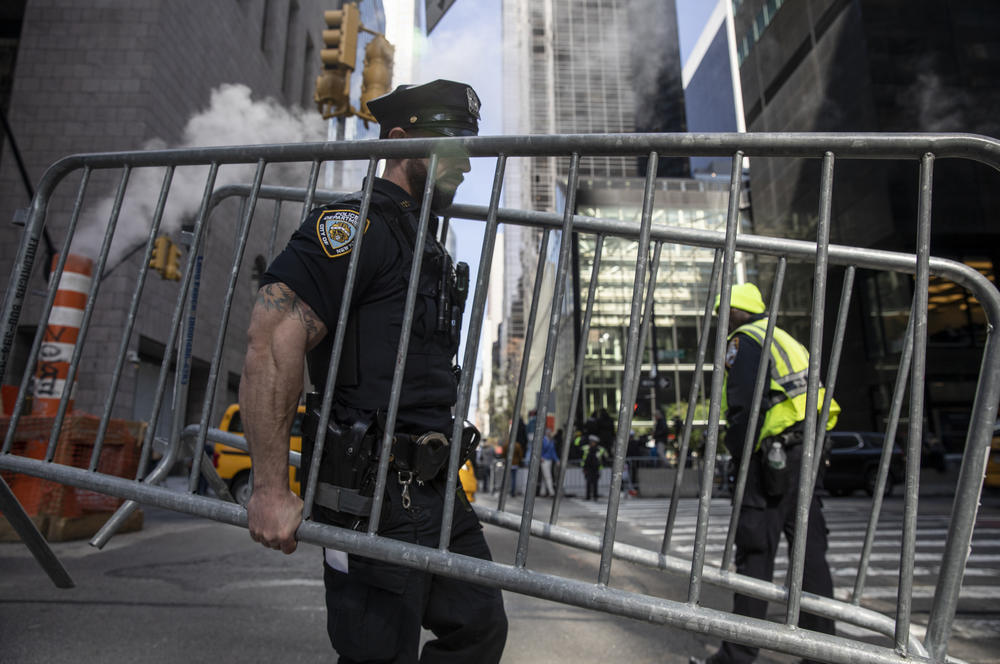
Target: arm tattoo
{"x": 280, "y": 298}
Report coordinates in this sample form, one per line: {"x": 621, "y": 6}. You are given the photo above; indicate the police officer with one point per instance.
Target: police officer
{"x": 375, "y": 609}
{"x": 772, "y": 479}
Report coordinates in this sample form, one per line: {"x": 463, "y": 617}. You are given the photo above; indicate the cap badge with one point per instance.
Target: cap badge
{"x": 413, "y": 119}
{"x": 473, "y": 101}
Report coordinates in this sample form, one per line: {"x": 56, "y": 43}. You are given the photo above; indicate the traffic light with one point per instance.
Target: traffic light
{"x": 158, "y": 261}
{"x": 333, "y": 85}
{"x": 173, "y": 267}
{"x": 376, "y": 78}
{"x": 342, "y": 37}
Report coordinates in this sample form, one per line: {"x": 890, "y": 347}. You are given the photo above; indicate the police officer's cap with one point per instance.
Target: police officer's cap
{"x": 746, "y": 297}
{"x": 443, "y": 107}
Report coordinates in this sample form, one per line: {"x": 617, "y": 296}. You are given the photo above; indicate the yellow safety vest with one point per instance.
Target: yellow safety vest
{"x": 785, "y": 403}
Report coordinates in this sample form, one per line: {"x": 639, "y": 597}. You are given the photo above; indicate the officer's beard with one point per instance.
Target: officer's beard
{"x": 444, "y": 188}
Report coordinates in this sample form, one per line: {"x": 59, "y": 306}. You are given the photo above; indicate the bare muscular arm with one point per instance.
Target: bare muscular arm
{"x": 282, "y": 329}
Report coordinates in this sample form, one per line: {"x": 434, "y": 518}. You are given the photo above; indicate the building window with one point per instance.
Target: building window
{"x": 289, "y": 64}
{"x": 265, "y": 24}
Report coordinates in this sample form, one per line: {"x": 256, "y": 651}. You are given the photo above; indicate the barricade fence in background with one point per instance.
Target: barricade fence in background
{"x": 194, "y": 358}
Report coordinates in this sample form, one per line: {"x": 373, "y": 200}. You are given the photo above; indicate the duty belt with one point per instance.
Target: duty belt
{"x": 414, "y": 457}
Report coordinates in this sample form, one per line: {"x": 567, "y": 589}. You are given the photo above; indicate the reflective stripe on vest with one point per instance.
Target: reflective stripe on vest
{"x": 785, "y": 402}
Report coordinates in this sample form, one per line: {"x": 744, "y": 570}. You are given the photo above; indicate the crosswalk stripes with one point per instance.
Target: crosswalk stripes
{"x": 847, "y": 524}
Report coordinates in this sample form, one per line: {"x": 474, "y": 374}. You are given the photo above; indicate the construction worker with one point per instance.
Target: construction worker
{"x": 770, "y": 499}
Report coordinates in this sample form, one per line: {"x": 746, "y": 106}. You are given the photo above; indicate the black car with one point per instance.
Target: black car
{"x": 853, "y": 463}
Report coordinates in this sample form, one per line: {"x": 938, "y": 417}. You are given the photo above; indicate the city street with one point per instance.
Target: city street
{"x": 187, "y": 589}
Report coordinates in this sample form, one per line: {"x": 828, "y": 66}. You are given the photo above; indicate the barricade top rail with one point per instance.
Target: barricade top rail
{"x": 980, "y": 148}
{"x": 801, "y": 250}
{"x": 188, "y": 435}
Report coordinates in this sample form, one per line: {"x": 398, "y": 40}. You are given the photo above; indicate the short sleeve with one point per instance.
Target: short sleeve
{"x": 314, "y": 263}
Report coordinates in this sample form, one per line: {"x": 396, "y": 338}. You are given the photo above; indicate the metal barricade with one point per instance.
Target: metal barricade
{"x": 598, "y": 595}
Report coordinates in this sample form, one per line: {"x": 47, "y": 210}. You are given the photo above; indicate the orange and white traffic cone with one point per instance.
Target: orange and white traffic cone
{"x": 61, "y": 335}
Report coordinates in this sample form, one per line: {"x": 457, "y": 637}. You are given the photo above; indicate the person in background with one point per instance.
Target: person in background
{"x": 549, "y": 458}
{"x": 594, "y": 458}
{"x": 772, "y": 489}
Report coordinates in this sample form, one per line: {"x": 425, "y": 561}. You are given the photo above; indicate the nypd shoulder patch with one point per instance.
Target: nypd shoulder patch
{"x": 732, "y": 351}
{"x": 337, "y": 229}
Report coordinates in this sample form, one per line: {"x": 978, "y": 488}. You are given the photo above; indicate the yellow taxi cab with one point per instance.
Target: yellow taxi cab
{"x": 993, "y": 465}
{"x": 233, "y": 465}
{"x": 467, "y": 478}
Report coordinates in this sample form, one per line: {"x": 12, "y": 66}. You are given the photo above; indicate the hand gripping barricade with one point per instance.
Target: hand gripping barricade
{"x": 600, "y": 595}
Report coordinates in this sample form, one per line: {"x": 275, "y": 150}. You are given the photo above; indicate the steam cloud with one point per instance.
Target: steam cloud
{"x": 232, "y": 118}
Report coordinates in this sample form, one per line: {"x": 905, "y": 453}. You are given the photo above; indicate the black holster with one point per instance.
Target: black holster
{"x": 347, "y": 471}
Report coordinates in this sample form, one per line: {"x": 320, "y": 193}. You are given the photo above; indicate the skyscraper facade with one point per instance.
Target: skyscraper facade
{"x": 886, "y": 66}
{"x": 602, "y": 66}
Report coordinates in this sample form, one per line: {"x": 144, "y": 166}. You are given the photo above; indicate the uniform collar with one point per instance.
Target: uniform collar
{"x": 404, "y": 201}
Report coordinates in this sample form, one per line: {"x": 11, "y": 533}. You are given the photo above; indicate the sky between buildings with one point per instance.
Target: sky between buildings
{"x": 466, "y": 46}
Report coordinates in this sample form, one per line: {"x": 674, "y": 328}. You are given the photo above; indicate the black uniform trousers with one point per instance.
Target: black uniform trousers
{"x": 592, "y": 475}
{"x": 757, "y": 538}
{"x": 376, "y": 610}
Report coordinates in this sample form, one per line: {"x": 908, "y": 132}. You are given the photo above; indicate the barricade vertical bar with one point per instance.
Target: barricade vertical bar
{"x": 633, "y": 361}
{"x": 750, "y": 440}
{"x": 338, "y": 345}
{"x": 227, "y": 304}
{"x": 718, "y": 374}
{"x": 34, "y": 227}
{"x": 797, "y": 555}
{"x": 307, "y": 204}
{"x": 696, "y": 381}
{"x": 831, "y": 376}
{"x": 885, "y": 458}
{"x": 908, "y": 545}
{"x": 630, "y": 388}
{"x": 187, "y": 295}
{"x": 529, "y": 335}
{"x": 117, "y": 520}
{"x": 275, "y": 222}
{"x": 967, "y": 496}
{"x": 472, "y": 350}
{"x": 443, "y": 231}
{"x": 191, "y": 281}
{"x": 648, "y": 321}
{"x": 404, "y": 344}
{"x": 132, "y": 313}
{"x": 581, "y": 355}
{"x": 24, "y": 261}
{"x": 562, "y": 268}
{"x": 26, "y": 530}
{"x": 88, "y": 312}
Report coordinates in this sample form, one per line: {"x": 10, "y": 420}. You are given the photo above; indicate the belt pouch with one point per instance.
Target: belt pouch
{"x": 774, "y": 466}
